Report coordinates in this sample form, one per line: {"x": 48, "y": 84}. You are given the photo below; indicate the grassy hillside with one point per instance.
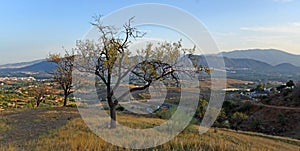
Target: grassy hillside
{"x": 63, "y": 129}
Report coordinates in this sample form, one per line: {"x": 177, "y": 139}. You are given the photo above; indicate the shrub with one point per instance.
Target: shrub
{"x": 256, "y": 123}
{"x": 72, "y": 99}
{"x": 166, "y": 114}
{"x": 245, "y": 107}
{"x": 141, "y": 96}
{"x": 201, "y": 109}
{"x": 120, "y": 108}
{"x": 190, "y": 128}
{"x": 71, "y": 104}
{"x": 281, "y": 118}
{"x": 279, "y": 88}
{"x": 237, "y": 118}
{"x": 30, "y": 105}
{"x": 5, "y": 104}
{"x": 222, "y": 120}
{"x": 286, "y": 92}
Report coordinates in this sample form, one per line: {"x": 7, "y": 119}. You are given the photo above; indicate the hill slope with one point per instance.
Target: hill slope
{"x": 38, "y": 66}
{"x": 69, "y": 132}
{"x": 270, "y": 56}
{"x": 20, "y": 64}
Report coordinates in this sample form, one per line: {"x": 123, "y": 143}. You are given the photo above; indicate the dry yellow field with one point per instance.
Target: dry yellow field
{"x": 75, "y": 135}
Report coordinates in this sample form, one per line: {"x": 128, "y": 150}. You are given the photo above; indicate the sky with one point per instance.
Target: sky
{"x": 32, "y": 29}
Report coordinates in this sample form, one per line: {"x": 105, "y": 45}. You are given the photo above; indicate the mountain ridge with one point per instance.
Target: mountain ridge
{"x": 20, "y": 64}
{"x": 242, "y": 68}
{"x": 270, "y": 56}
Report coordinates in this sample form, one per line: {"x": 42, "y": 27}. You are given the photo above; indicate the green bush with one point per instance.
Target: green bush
{"x": 189, "y": 128}
{"x": 141, "y": 96}
{"x": 72, "y": 99}
{"x": 71, "y": 104}
{"x": 30, "y": 105}
{"x": 237, "y": 119}
{"x": 255, "y": 124}
{"x": 201, "y": 109}
{"x": 5, "y": 104}
{"x": 120, "y": 108}
{"x": 165, "y": 114}
{"x": 245, "y": 107}
{"x": 286, "y": 92}
{"x": 239, "y": 116}
{"x": 281, "y": 118}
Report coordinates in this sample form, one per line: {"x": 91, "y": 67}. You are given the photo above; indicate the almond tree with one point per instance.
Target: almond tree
{"x": 62, "y": 73}
{"x": 39, "y": 92}
{"x": 109, "y": 59}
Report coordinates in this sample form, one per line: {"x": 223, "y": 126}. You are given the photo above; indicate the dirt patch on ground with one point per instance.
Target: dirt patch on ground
{"x": 30, "y": 124}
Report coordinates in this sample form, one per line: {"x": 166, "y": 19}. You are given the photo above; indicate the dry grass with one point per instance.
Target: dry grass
{"x": 76, "y": 136}
{"x": 230, "y": 83}
{"x": 3, "y": 126}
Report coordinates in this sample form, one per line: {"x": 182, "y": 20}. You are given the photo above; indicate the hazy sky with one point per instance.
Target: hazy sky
{"x": 31, "y": 29}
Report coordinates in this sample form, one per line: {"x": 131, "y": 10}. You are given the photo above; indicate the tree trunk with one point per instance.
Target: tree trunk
{"x": 112, "y": 112}
{"x": 113, "y": 118}
{"x": 37, "y": 103}
{"x": 65, "y": 100}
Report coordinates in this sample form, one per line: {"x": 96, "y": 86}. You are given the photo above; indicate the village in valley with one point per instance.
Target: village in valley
{"x": 21, "y": 92}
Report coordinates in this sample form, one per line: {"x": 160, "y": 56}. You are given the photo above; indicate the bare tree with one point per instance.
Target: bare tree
{"x": 39, "y": 92}
{"x": 109, "y": 59}
{"x": 62, "y": 74}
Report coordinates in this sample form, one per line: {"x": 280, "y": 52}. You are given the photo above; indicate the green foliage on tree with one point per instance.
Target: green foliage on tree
{"x": 260, "y": 87}
{"x": 237, "y": 118}
{"x": 290, "y": 83}
{"x": 281, "y": 87}
{"x": 201, "y": 109}
{"x": 281, "y": 118}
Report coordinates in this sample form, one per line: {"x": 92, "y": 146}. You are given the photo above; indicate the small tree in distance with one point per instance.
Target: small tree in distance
{"x": 290, "y": 83}
{"x": 238, "y": 118}
{"x": 62, "y": 73}
{"x": 39, "y": 92}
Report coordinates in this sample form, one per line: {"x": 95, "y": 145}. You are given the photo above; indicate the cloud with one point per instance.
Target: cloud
{"x": 285, "y": 36}
{"x": 286, "y": 28}
{"x": 283, "y": 1}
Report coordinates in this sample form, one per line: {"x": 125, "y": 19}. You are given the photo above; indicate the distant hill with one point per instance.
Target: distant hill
{"x": 286, "y": 67}
{"x": 38, "y": 66}
{"x": 248, "y": 64}
{"x": 39, "y": 69}
{"x": 43, "y": 66}
{"x": 271, "y": 56}
{"x": 237, "y": 68}
{"x": 250, "y": 69}
{"x": 21, "y": 64}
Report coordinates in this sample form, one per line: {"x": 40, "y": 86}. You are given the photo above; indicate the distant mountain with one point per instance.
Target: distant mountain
{"x": 21, "y": 64}
{"x": 236, "y": 64}
{"x": 271, "y": 56}
{"x": 42, "y": 66}
{"x": 250, "y": 69}
{"x": 286, "y": 67}
{"x": 238, "y": 68}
